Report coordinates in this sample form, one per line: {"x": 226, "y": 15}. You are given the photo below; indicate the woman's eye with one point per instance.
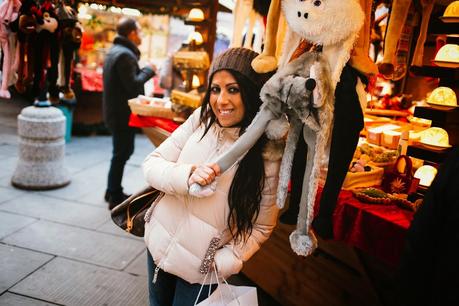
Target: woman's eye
{"x": 233, "y": 90}
{"x": 317, "y": 3}
{"x": 215, "y": 89}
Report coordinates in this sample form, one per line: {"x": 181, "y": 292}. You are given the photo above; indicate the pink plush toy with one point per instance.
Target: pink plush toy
{"x": 9, "y": 10}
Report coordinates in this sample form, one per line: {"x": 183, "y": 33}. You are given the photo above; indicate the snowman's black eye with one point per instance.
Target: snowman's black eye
{"x": 317, "y": 3}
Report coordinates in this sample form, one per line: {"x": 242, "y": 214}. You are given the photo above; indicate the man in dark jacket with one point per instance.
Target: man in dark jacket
{"x": 123, "y": 80}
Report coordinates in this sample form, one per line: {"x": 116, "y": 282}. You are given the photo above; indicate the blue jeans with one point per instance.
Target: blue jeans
{"x": 123, "y": 147}
{"x": 171, "y": 290}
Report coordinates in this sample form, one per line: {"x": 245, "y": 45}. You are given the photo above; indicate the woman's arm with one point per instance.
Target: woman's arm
{"x": 230, "y": 258}
{"x": 161, "y": 169}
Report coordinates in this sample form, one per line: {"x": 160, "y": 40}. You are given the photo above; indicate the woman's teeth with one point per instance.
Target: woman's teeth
{"x": 226, "y": 112}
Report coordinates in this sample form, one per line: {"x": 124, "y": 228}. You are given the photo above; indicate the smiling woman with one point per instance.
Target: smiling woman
{"x": 240, "y": 215}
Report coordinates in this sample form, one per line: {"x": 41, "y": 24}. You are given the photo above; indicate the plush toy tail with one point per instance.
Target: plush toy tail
{"x": 267, "y": 61}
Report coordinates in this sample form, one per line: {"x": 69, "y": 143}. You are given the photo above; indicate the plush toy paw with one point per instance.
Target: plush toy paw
{"x": 5, "y": 94}
{"x": 264, "y": 63}
{"x": 277, "y": 128}
{"x": 199, "y": 191}
{"x": 303, "y": 244}
{"x": 386, "y": 69}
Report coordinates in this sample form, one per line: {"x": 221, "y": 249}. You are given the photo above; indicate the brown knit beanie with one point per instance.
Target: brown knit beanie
{"x": 239, "y": 59}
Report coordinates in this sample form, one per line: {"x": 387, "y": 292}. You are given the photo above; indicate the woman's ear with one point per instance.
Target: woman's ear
{"x": 266, "y": 61}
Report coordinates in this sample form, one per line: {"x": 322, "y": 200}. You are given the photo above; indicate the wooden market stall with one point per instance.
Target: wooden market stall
{"x": 358, "y": 266}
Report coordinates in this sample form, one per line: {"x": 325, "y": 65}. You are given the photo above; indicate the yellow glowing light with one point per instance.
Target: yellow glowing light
{"x": 442, "y": 96}
{"x": 426, "y": 175}
{"x": 448, "y": 53}
{"x": 452, "y": 10}
{"x": 195, "y": 83}
{"x": 196, "y": 14}
{"x": 196, "y": 36}
{"x": 435, "y": 136}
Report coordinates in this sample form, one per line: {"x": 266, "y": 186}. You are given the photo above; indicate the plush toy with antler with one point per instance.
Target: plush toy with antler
{"x": 314, "y": 86}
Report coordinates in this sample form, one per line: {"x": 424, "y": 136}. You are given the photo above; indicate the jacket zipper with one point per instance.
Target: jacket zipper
{"x": 173, "y": 241}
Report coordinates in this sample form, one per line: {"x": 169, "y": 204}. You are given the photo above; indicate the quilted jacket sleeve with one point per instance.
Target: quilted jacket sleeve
{"x": 161, "y": 169}
{"x": 230, "y": 258}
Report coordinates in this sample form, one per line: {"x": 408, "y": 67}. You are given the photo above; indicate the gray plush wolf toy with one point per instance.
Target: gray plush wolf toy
{"x": 302, "y": 91}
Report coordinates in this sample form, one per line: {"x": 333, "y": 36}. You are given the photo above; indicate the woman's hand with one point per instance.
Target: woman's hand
{"x": 204, "y": 174}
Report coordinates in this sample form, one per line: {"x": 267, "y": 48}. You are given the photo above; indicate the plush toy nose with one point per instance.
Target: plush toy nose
{"x": 305, "y": 15}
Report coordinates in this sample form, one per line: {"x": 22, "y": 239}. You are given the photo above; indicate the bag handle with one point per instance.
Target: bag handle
{"x": 408, "y": 166}
{"x": 229, "y": 287}
{"x": 218, "y": 285}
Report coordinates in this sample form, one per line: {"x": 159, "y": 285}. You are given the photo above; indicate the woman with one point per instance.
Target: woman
{"x": 242, "y": 211}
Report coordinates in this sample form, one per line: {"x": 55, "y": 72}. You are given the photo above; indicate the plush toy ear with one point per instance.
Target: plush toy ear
{"x": 266, "y": 61}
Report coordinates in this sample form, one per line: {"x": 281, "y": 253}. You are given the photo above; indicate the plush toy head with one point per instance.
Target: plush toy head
{"x": 324, "y": 22}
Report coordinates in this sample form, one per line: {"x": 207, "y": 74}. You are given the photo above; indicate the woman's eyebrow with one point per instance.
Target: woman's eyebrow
{"x": 230, "y": 84}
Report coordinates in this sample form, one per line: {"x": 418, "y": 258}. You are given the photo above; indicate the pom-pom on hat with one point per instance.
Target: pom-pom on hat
{"x": 239, "y": 59}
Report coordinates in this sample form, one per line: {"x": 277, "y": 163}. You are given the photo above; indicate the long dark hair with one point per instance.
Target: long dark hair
{"x": 245, "y": 192}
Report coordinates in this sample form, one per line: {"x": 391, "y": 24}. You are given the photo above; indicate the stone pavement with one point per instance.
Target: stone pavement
{"x": 60, "y": 247}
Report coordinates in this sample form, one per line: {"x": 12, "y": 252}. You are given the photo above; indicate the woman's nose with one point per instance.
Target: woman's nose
{"x": 222, "y": 97}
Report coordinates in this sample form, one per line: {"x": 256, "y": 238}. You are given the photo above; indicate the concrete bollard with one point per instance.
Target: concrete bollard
{"x": 41, "y": 133}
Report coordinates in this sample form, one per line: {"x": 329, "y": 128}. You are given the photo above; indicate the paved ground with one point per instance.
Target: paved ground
{"x": 60, "y": 247}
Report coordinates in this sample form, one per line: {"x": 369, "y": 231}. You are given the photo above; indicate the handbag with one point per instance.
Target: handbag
{"x": 130, "y": 214}
{"x": 400, "y": 182}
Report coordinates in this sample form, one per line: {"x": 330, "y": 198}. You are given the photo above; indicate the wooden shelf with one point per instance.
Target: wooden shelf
{"x": 437, "y": 115}
{"x": 435, "y": 71}
{"x": 426, "y": 154}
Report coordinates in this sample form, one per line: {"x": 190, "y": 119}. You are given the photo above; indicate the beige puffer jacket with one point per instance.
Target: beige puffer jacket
{"x": 181, "y": 227}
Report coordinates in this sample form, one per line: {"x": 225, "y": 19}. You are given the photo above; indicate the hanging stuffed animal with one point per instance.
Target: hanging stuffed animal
{"x": 70, "y": 41}
{"x": 397, "y": 19}
{"x": 317, "y": 47}
{"x": 46, "y": 48}
{"x": 26, "y": 42}
{"x": 9, "y": 12}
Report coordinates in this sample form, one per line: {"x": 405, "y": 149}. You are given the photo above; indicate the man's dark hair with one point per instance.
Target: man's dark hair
{"x": 126, "y": 26}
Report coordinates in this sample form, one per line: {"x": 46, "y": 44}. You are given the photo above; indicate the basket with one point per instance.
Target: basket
{"x": 186, "y": 99}
{"x": 150, "y": 109}
{"x": 363, "y": 179}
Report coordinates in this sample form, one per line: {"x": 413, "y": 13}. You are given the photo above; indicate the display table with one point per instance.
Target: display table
{"x": 378, "y": 230}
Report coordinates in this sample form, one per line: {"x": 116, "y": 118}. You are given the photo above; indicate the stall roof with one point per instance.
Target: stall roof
{"x": 178, "y": 8}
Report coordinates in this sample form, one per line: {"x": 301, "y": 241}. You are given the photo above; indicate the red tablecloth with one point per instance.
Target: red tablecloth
{"x": 91, "y": 80}
{"x": 145, "y": 122}
{"x": 379, "y": 230}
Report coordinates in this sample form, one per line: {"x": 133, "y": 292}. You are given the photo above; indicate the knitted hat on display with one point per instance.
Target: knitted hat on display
{"x": 239, "y": 59}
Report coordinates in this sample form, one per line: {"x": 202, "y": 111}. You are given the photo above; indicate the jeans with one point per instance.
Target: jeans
{"x": 123, "y": 147}
{"x": 171, "y": 290}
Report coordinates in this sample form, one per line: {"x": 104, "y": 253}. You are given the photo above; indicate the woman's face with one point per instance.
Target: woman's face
{"x": 226, "y": 99}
